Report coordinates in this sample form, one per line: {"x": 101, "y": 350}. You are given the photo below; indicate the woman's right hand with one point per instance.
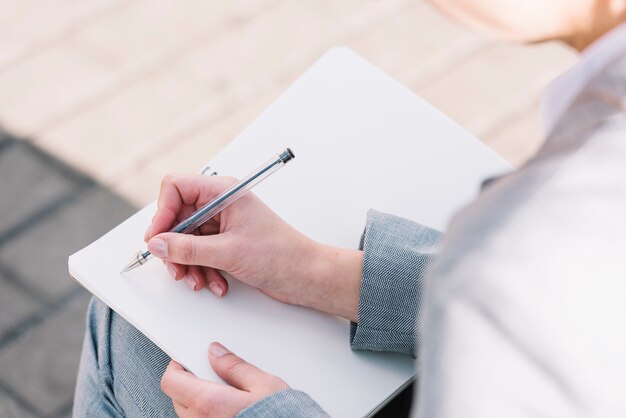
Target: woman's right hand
{"x": 254, "y": 245}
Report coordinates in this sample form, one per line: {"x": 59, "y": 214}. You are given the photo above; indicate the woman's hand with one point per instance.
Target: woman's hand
{"x": 254, "y": 245}
{"x": 193, "y": 397}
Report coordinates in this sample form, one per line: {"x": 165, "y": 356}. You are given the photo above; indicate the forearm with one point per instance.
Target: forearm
{"x": 336, "y": 280}
{"x": 377, "y": 287}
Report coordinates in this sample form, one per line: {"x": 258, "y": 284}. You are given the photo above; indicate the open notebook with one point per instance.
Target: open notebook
{"x": 362, "y": 141}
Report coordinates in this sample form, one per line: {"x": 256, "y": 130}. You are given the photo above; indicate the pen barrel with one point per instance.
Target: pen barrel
{"x": 232, "y": 194}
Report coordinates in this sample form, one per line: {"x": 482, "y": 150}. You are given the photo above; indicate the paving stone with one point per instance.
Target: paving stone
{"x": 254, "y": 51}
{"x": 28, "y": 182}
{"x": 190, "y": 154}
{"x": 58, "y": 236}
{"x": 5, "y": 136}
{"x": 15, "y": 306}
{"x": 415, "y": 44}
{"x": 67, "y": 415}
{"x": 147, "y": 27}
{"x": 26, "y": 24}
{"x": 492, "y": 85}
{"x": 110, "y": 137}
{"x": 242, "y": 70}
{"x": 9, "y": 408}
{"x": 518, "y": 139}
{"x": 41, "y": 366}
{"x": 41, "y": 88}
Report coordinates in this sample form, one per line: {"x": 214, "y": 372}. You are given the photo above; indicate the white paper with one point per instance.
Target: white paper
{"x": 361, "y": 141}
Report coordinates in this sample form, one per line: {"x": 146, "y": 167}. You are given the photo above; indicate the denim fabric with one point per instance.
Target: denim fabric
{"x": 120, "y": 373}
{"x": 120, "y": 370}
{"x": 288, "y": 403}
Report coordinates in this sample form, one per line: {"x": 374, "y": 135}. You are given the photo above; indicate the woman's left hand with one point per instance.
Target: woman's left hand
{"x": 193, "y": 397}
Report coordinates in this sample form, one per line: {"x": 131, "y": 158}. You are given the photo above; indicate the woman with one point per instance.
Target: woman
{"x": 522, "y": 309}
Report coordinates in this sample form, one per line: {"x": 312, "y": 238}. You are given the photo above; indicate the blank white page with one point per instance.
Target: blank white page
{"x": 361, "y": 141}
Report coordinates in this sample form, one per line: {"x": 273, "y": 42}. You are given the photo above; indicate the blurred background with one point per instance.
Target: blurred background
{"x": 101, "y": 98}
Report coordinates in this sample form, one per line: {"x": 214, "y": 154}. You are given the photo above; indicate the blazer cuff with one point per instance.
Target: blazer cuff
{"x": 286, "y": 403}
{"x": 396, "y": 255}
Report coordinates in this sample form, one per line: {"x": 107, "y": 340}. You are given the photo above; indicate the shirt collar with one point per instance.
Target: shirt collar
{"x": 560, "y": 94}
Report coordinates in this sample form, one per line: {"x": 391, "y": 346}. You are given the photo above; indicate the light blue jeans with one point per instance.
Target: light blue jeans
{"x": 120, "y": 374}
{"x": 120, "y": 370}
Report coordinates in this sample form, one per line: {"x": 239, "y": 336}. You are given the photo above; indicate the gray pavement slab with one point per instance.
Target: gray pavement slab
{"x": 40, "y": 367}
{"x": 9, "y": 408}
{"x": 27, "y": 184}
{"x": 15, "y": 306}
{"x": 39, "y": 255}
{"x": 5, "y": 136}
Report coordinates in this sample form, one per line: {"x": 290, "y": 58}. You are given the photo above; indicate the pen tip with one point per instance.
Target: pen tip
{"x": 132, "y": 264}
{"x": 140, "y": 258}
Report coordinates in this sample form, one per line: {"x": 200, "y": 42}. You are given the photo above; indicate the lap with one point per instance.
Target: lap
{"x": 120, "y": 372}
{"x": 120, "y": 369}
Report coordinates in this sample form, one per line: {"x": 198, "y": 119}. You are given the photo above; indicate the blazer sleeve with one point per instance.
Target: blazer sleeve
{"x": 288, "y": 403}
{"x": 397, "y": 254}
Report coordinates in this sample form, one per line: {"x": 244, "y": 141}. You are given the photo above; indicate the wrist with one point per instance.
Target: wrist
{"x": 334, "y": 278}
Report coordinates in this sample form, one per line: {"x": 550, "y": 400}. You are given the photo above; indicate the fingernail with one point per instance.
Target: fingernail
{"x": 217, "y": 289}
{"x": 191, "y": 282}
{"x": 158, "y": 247}
{"x": 171, "y": 270}
{"x": 217, "y": 350}
{"x": 145, "y": 237}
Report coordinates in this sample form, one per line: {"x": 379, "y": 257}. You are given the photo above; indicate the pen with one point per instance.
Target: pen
{"x": 221, "y": 202}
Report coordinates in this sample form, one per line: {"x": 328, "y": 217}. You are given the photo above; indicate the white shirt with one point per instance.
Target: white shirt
{"x": 524, "y": 309}
{"x": 560, "y": 94}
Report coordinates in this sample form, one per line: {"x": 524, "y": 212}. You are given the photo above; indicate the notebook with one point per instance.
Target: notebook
{"x": 361, "y": 140}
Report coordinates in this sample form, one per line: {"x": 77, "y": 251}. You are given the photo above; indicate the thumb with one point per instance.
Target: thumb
{"x": 187, "y": 249}
{"x": 236, "y": 371}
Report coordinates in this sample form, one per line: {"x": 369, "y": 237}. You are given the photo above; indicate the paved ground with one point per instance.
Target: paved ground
{"x": 170, "y": 82}
{"x": 107, "y": 96}
{"x": 48, "y": 211}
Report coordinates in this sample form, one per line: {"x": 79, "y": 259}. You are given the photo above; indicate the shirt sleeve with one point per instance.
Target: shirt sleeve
{"x": 397, "y": 254}
{"x": 288, "y": 403}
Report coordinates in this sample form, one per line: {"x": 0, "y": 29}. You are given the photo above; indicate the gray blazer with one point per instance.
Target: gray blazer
{"x": 525, "y": 305}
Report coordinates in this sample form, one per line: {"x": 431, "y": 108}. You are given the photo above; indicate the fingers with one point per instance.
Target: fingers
{"x": 194, "y": 278}
{"x": 199, "y": 277}
{"x": 176, "y": 271}
{"x": 169, "y": 204}
{"x": 215, "y": 282}
{"x": 180, "y": 195}
{"x": 239, "y": 373}
{"x": 198, "y": 250}
{"x": 193, "y": 397}
{"x": 180, "y": 385}
{"x": 181, "y": 410}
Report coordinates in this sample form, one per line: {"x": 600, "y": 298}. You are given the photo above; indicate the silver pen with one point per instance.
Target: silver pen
{"x": 220, "y": 203}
